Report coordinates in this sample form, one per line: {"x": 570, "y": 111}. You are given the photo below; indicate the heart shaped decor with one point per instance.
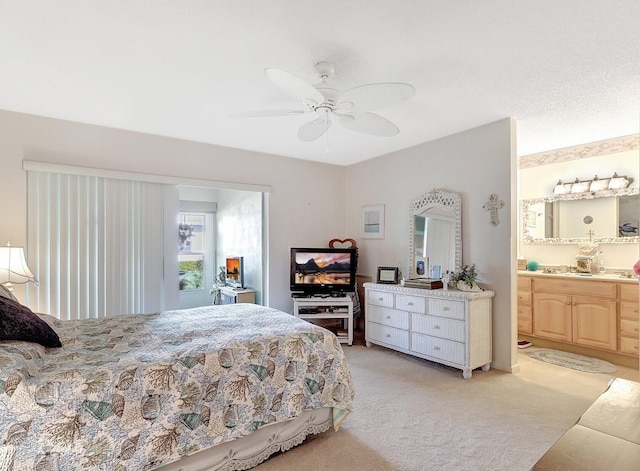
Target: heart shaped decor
{"x": 332, "y": 243}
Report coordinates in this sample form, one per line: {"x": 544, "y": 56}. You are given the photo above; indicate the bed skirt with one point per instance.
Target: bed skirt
{"x": 250, "y": 451}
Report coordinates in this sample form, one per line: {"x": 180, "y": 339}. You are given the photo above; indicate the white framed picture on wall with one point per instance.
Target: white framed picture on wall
{"x": 372, "y": 225}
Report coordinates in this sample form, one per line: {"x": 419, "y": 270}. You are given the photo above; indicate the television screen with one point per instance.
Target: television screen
{"x": 235, "y": 272}
{"x": 323, "y": 270}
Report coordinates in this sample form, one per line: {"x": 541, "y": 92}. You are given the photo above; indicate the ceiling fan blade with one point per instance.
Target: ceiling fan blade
{"x": 369, "y": 123}
{"x": 313, "y": 129}
{"x": 266, "y": 113}
{"x": 294, "y": 86}
{"x": 375, "y": 96}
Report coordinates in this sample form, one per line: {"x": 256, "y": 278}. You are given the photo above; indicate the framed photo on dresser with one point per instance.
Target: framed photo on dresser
{"x": 388, "y": 275}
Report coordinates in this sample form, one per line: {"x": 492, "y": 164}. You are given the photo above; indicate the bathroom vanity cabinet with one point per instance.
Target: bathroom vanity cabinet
{"x": 593, "y": 313}
{"x": 561, "y": 311}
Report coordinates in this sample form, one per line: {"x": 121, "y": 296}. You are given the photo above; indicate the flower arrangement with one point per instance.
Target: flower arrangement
{"x": 467, "y": 274}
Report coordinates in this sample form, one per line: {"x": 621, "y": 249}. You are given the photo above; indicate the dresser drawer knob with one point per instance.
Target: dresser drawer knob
{"x": 409, "y": 304}
{"x": 380, "y": 299}
{"x": 436, "y": 348}
{"x": 388, "y": 335}
{"x": 437, "y": 327}
{"x": 388, "y": 317}
{"x": 446, "y": 308}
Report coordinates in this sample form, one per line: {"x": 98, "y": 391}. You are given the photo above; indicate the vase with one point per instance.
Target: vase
{"x": 463, "y": 286}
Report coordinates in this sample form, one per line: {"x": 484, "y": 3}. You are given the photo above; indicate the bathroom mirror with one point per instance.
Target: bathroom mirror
{"x": 564, "y": 219}
{"x": 435, "y": 234}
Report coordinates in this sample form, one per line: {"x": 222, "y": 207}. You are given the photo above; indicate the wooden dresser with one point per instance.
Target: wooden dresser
{"x": 594, "y": 313}
{"x": 451, "y": 327}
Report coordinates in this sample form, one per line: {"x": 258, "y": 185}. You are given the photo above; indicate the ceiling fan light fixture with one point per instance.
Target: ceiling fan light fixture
{"x": 313, "y": 129}
{"x": 352, "y": 106}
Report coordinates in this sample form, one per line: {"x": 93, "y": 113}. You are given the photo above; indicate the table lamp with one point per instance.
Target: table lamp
{"x": 13, "y": 267}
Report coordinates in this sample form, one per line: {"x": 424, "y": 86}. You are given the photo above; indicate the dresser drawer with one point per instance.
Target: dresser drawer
{"x": 390, "y": 317}
{"x": 630, "y": 291}
{"x": 438, "y": 348}
{"x": 525, "y": 324}
{"x": 629, "y": 327}
{"x": 380, "y": 298}
{"x": 525, "y": 313}
{"x": 569, "y": 287}
{"x": 388, "y": 335}
{"x": 446, "y": 308}
{"x": 524, "y": 283}
{"x": 629, "y": 310}
{"x": 411, "y": 303}
{"x": 524, "y": 297}
{"x": 442, "y": 327}
{"x": 629, "y": 345}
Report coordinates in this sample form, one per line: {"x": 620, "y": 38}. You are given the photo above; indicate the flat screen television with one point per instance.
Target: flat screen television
{"x": 235, "y": 272}
{"x": 323, "y": 271}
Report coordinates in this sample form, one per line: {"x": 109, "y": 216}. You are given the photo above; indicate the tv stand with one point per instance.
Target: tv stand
{"x": 327, "y": 307}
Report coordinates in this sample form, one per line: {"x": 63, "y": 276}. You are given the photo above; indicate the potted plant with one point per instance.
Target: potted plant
{"x": 465, "y": 278}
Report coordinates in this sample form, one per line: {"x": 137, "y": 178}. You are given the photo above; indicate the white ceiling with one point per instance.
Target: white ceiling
{"x": 568, "y": 71}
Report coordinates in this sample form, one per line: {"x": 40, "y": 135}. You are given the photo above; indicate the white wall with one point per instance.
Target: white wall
{"x": 306, "y": 203}
{"x": 474, "y": 163}
{"x": 538, "y": 182}
{"x": 310, "y": 203}
{"x": 240, "y": 234}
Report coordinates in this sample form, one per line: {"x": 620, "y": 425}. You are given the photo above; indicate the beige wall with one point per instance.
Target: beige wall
{"x": 475, "y": 163}
{"x": 538, "y": 182}
{"x": 240, "y": 234}
{"x": 306, "y": 202}
{"x": 310, "y": 203}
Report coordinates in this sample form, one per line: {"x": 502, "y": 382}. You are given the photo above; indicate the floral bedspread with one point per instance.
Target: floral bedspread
{"x": 137, "y": 391}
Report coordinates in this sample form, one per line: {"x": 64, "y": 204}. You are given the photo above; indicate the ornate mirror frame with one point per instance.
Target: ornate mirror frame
{"x": 444, "y": 200}
{"x": 526, "y": 204}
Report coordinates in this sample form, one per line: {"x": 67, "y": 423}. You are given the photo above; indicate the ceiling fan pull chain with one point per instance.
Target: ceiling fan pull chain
{"x": 326, "y": 150}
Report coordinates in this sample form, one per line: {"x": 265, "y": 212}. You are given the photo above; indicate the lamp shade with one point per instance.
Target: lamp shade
{"x": 13, "y": 266}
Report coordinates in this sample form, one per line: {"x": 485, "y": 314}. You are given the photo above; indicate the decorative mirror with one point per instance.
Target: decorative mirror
{"x": 435, "y": 234}
{"x": 607, "y": 217}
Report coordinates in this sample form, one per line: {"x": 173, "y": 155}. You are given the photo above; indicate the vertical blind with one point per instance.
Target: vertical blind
{"x": 95, "y": 244}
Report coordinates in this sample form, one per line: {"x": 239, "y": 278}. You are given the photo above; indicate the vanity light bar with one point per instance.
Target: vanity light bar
{"x": 597, "y": 184}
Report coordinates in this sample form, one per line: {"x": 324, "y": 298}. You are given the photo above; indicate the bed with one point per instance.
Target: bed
{"x": 217, "y": 387}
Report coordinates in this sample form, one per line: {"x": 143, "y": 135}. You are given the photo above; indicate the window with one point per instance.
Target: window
{"x": 192, "y": 250}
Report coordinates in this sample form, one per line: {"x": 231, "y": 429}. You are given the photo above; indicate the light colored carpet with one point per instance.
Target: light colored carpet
{"x": 573, "y": 361}
{"x": 411, "y": 414}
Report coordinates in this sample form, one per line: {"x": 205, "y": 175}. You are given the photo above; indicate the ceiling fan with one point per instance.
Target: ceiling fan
{"x": 351, "y": 107}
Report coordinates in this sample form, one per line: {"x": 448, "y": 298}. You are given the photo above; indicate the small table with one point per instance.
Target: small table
{"x": 229, "y": 295}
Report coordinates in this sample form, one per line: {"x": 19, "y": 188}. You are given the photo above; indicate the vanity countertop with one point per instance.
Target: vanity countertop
{"x": 587, "y": 276}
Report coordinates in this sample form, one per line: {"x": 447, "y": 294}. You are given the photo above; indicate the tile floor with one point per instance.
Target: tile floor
{"x": 566, "y": 379}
